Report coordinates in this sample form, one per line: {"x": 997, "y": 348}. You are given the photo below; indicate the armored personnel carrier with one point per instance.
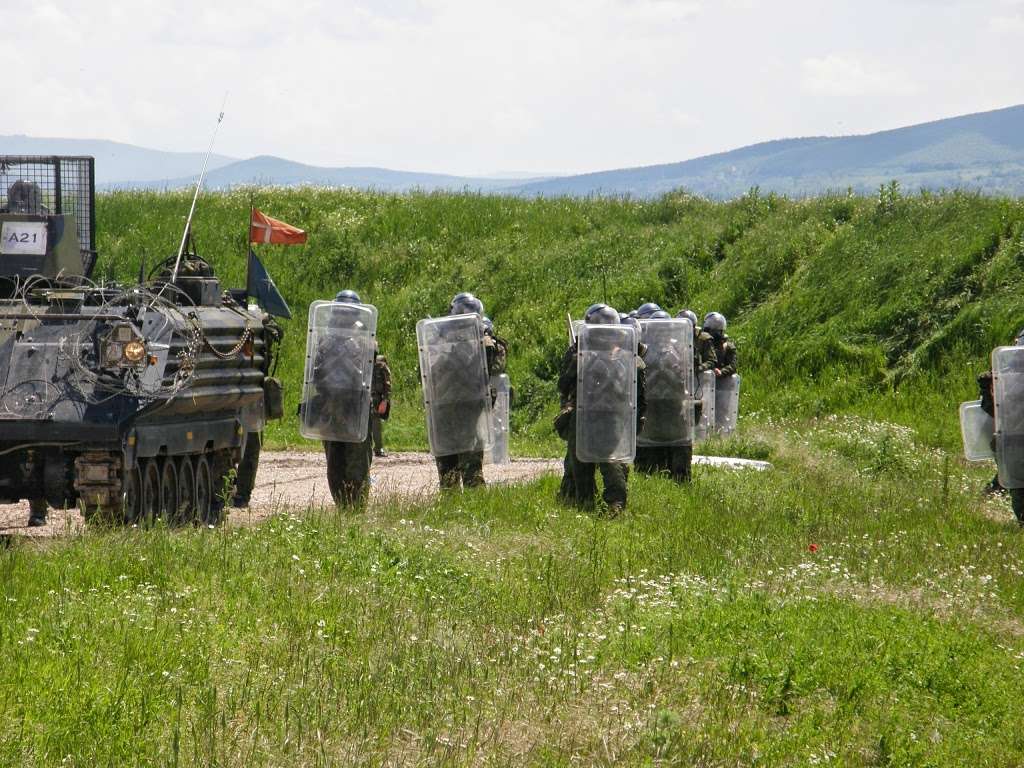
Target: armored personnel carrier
{"x": 129, "y": 401}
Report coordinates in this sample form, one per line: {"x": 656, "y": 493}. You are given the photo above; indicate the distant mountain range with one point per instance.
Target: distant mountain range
{"x": 114, "y": 160}
{"x": 277, "y": 171}
{"x": 983, "y": 151}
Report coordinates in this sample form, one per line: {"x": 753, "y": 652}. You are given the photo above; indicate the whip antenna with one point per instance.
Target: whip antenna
{"x": 199, "y": 185}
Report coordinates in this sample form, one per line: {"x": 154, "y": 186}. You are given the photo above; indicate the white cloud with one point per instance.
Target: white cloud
{"x": 1011, "y": 25}
{"x": 659, "y": 11}
{"x": 683, "y": 119}
{"x": 464, "y": 86}
{"x": 846, "y": 76}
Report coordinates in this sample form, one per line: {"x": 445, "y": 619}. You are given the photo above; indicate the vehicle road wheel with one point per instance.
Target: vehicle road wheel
{"x": 204, "y": 492}
{"x": 168, "y": 490}
{"x": 132, "y": 496}
{"x": 186, "y": 490}
{"x": 150, "y": 491}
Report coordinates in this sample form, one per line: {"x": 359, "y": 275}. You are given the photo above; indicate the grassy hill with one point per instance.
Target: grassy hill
{"x": 883, "y": 306}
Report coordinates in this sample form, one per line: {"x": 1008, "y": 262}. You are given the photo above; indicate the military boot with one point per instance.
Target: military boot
{"x": 37, "y": 513}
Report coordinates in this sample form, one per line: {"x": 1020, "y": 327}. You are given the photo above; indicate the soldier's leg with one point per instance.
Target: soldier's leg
{"x": 664, "y": 460}
{"x": 377, "y": 432}
{"x": 645, "y": 460}
{"x": 448, "y": 471}
{"x": 567, "y": 488}
{"x": 336, "y": 469}
{"x": 994, "y": 486}
{"x": 585, "y": 477}
{"x": 37, "y": 512}
{"x": 614, "y": 476}
{"x": 1017, "y": 504}
{"x": 245, "y": 477}
{"x": 348, "y": 471}
{"x": 682, "y": 463}
{"x": 471, "y": 465}
{"x": 357, "y": 472}
{"x": 583, "y": 474}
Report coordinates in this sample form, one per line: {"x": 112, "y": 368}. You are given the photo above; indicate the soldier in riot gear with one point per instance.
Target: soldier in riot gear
{"x": 579, "y": 482}
{"x": 341, "y": 394}
{"x": 720, "y": 355}
{"x": 987, "y": 396}
{"x": 666, "y": 444}
{"x": 644, "y": 311}
{"x": 688, "y": 314}
{"x": 465, "y": 468}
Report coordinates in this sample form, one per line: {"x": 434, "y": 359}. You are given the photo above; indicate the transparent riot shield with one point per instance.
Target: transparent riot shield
{"x": 1008, "y": 387}
{"x": 727, "y": 403}
{"x": 706, "y": 396}
{"x": 339, "y": 369}
{"x": 976, "y": 428}
{"x": 500, "y": 419}
{"x": 606, "y": 393}
{"x": 456, "y": 389}
{"x": 668, "y": 373}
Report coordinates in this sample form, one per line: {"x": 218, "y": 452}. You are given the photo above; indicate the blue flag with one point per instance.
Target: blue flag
{"x": 260, "y": 286}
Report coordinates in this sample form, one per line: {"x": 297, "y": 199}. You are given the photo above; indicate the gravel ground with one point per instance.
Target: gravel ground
{"x": 289, "y": 479}
{"x": 299, "y": 479}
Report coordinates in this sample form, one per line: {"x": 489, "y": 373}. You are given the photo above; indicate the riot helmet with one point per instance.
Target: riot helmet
{"x": 601, "y": 314}
{"x": 348, "y": 296}
{"x": 1018, "y": 340}
{"x": 714, "y": 322}
{"x": 24, "y": 197}
{"x": 488, "y": 325}
{"x": 688, "y": 314}
{"x": 466, "y": 303}
{"x": 661, "y": 314}
{"x": 644, "y": 311}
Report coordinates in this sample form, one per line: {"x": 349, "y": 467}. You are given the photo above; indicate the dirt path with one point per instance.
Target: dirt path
{"x": 299, "y": 479}
{"x": 290, "y": 479}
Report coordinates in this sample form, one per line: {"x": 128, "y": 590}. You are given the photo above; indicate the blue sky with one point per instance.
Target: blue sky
{"x": 475, "y": 86}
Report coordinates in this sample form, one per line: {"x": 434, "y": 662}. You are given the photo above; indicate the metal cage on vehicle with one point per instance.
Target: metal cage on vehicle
{"x": 59, "y": 185}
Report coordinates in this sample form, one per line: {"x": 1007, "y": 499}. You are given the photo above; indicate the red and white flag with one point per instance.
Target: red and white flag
{"x": 264, "y": 229}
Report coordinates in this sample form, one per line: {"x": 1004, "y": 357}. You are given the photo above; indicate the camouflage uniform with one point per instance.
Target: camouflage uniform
{"x": 467, "y": 469}
{"x": 988, "y": 405}
{"x": 705, "y": 354}
{"x": 381, "y": 393}
{"x": 348, "y": 464}
{"x": 721, "y": 356}
{"x": 579, "y": 483}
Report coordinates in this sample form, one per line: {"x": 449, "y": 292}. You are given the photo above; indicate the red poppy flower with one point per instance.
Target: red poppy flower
{"x": 813, "y": 548}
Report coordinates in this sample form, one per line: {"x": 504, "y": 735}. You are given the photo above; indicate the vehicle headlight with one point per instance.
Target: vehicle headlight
{"x": 134, "y": 351}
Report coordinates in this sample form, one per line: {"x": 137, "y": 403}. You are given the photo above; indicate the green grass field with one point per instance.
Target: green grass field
{"x": 860, "y": 604}
{"x": 857, "y": 605}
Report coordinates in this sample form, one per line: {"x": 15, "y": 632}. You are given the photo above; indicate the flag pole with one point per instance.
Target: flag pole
{"x": 248, "y": 248}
